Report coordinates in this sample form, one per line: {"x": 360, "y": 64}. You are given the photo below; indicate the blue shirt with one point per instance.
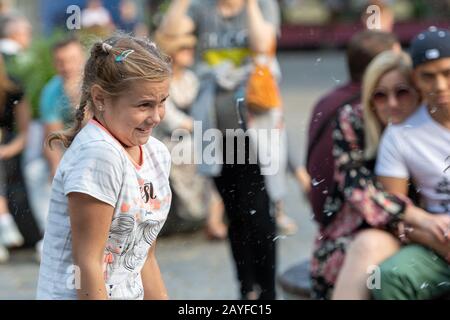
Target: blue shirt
{"x": 54, "y": 103}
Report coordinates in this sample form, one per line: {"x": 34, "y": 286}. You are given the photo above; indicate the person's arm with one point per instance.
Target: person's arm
{"x": 355, "y": 181}
{"x": 176, "y": 12}
{"x": 262, "y": 33}
{"x": 425, "y": 238}
{"x": 154, "y": 288}
{"x": 304, "y": 179}
{"x": 90, "y": 221}
{"x": 54, "y": 154}
{"x": 22, "y": 118}
{"x": 434, "y": 224}
{"x": 394, "y": 185}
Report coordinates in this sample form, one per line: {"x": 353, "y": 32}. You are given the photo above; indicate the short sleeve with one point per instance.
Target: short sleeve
{"x": 390, "y": 161}
{"x": 97, "y": 171}
{"x": 46, "y": 107}
{"x": 271, "y": 13}
{"x": 193, "y": 11}
{"x": 50, "y": 104}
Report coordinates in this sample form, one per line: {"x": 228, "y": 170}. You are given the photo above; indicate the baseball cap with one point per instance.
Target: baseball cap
{"x": 431, "y": 44}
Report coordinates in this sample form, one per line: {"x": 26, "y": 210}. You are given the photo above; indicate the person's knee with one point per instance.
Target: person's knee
{"x": 372, "y": 241}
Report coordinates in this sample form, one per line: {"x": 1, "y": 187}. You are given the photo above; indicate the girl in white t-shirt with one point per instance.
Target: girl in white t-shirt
{"x": 111, "y": 194}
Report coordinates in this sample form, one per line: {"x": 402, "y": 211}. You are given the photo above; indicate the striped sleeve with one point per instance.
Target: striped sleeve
{"x": 96, "y": 171}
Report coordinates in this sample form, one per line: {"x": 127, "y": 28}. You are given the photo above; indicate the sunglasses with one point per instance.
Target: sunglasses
{"x": 401, "y": 93}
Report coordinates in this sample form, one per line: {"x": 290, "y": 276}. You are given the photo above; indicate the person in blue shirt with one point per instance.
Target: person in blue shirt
{"x": 59, "y": 96}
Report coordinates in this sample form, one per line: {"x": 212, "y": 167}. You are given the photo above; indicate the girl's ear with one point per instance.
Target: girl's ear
{"x": 98, "y": 96}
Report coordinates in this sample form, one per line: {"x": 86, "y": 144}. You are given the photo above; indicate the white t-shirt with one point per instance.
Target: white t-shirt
{"x": 96, "y": 164}
{"x": 419, "y": 148}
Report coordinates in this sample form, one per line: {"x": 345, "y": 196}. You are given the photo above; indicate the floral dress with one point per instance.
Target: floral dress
{"x": 355, "y": 203}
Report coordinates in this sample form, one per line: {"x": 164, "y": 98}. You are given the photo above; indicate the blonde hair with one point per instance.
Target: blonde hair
{"x": 114, "y": 71}
{"x": 383, "y": 63}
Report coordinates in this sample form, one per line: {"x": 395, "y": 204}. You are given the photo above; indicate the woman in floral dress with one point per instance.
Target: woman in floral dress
{"x": 357, "y": 202}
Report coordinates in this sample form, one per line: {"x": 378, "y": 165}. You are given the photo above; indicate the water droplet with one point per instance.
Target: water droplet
{"x": 318, "y": 60}
{"x": 447, "y": 163}
{"x": 278, "y": 237}
{"x": 252, "y": 212}
{"x": 335, "y": 80}
{"x": 315, "y": 183}
{"x": 16, "y": 102}
{"x": 424, "y": 285}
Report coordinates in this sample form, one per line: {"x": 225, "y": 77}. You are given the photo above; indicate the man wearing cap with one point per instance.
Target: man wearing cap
{"x": 419, "y": 149}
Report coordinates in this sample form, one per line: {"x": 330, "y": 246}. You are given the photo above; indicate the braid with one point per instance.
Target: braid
{"x": 80, "y": 114}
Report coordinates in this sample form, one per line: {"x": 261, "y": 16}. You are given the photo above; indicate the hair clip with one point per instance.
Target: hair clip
{"x": 124, "y": 55}
{"x": 106, "y": 47}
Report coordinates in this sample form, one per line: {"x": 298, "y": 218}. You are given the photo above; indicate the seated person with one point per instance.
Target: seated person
{"x": 388, "y": 97}
{"x": 418, "y": 149}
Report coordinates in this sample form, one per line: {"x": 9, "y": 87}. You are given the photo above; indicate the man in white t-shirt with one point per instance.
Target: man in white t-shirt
{"x": 419, "y": 150}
